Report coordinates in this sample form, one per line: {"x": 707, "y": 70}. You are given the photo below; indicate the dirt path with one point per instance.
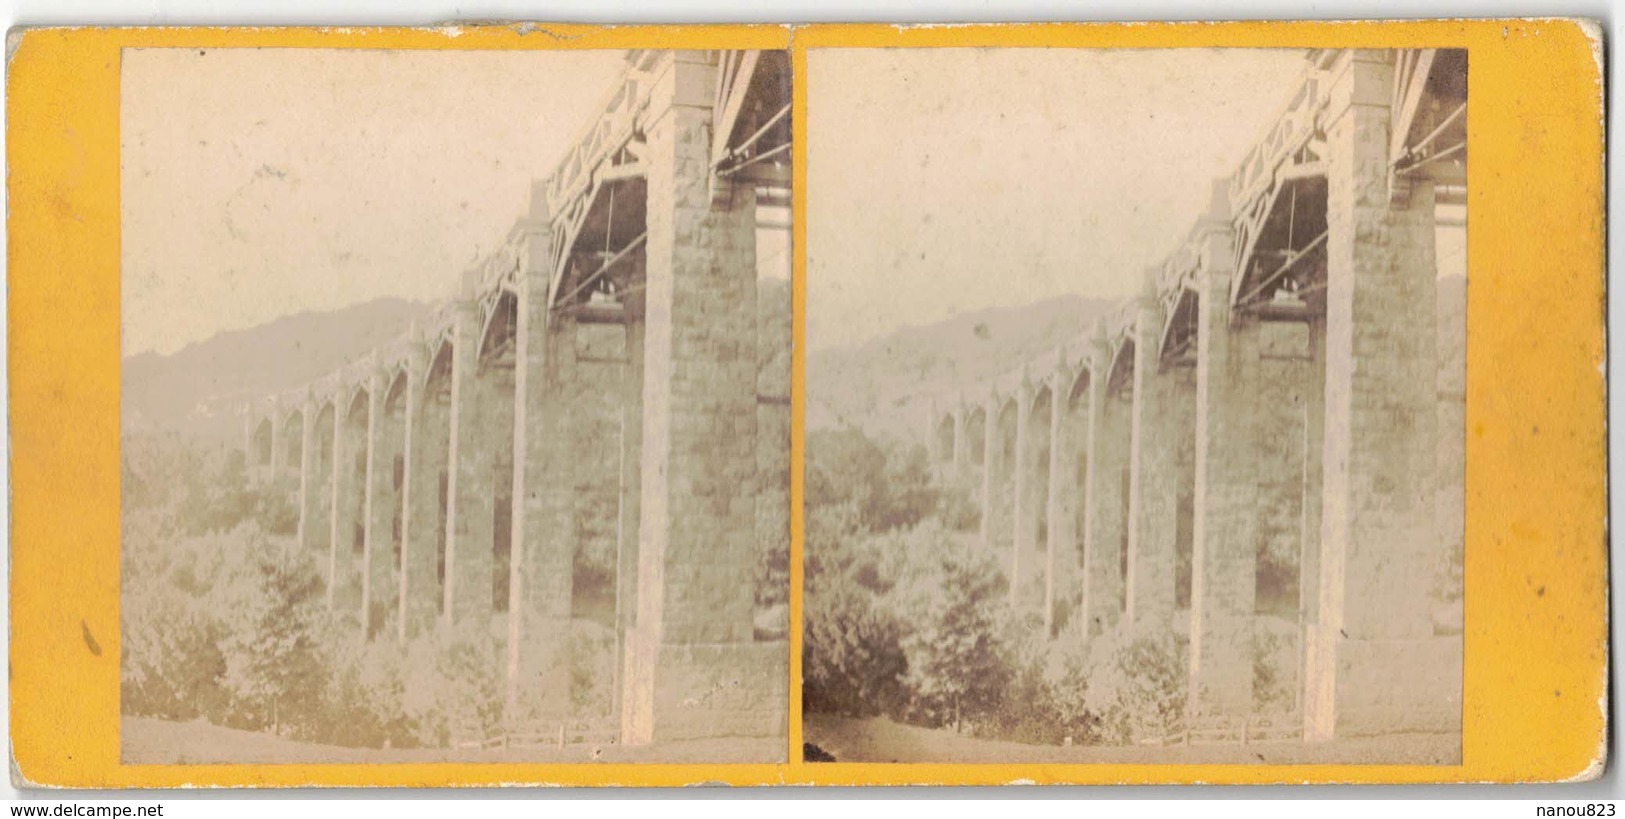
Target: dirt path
{"x": 154, "y": 741}
{"x": 882, "y": 740}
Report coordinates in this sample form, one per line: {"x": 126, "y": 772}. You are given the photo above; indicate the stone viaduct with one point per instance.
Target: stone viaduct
{"x": 1275, "y": 381}
{"x": 425, "y": 467}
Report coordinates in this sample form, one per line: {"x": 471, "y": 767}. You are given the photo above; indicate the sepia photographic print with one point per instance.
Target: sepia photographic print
{"x": 455, "y": 417}
{"x": 1135, "y": 405}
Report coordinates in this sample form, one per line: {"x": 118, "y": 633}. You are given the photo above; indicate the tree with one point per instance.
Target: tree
{"x": 854, "y": 662}
{"x": 275, "y": 665}
{"x": 957, "y": 663}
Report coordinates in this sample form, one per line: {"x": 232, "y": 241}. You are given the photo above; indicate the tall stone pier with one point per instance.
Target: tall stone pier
{"x": 1061, "y": 513}
{"x": 1153, "y": 489}
{"x": 542, "y": 543}
{"x": 1104, "y": 532}
{"x": 1374, "y": 664}
{"x": 1028, "y": 496}
{"x": 1225, "y": 553}
{"x": 693, "y": 669}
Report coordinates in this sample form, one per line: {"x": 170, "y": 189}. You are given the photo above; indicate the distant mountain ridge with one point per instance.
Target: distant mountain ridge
{"x": 200, "y": 388}
{"x": 885, "y": 385}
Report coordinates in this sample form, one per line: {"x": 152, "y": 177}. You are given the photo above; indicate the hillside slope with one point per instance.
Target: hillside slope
{"x": 885, "y": 385}
{"x": 200, "y": 388}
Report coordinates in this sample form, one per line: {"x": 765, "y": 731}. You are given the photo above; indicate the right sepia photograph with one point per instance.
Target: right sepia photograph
{"x": 1135, "y": 405}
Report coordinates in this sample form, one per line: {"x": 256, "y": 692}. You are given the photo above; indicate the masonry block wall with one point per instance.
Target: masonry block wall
{"x": 1452, "y": 439}
{"x": 774, "y": 343}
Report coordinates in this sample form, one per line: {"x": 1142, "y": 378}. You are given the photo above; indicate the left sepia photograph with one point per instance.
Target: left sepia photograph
{"x": 455, "y": 417}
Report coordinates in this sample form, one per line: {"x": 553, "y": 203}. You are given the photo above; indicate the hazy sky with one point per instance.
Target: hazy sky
{"x": 942, "y": 180}
{"x": 258, "y": 182}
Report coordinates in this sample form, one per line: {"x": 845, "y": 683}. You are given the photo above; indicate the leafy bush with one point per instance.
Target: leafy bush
{"x": 958, "y": 666}
{"x": 854, "y": 663}
{"x": 454, "y": 693}
{"x": 1274, "y": 648}
{"x": 1067, "y": 674}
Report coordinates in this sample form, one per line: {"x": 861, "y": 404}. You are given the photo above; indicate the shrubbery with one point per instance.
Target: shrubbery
{"x": 906, "y": 617}
{"x": 1137, "y": 679}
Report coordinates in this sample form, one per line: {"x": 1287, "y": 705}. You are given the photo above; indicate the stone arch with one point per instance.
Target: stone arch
{"x": 999, "y": 476}
{"x": 494, "y": 379}
{"x": 1178, "y": 338}
{"x": 320, "y": 472}
{"x": 1039, "y": 412}
{"x": 1120, "y": 376}
{"x": 355, "y": 460}
{"x": 1042, "y": 403}
{"x": 387, "y": 525}
{"x": 323, "y": 450}
{"x": 437, "y": 376}
{"x": 395, "y": 391}
{"x": 497, "y": 334}
{"x": 432, "y": 459}
{"x": 1006, "y": 430}
{"x": 1078, "y": 390}
{"x": 1077, "y": 407}
{"x": 1115, "y": 423}
{"x": 942, "y": 448}
{"x": 293, "y": 432}
{"x": 976, "y": 436}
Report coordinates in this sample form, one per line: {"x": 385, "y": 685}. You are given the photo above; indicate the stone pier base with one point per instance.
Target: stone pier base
{"x": 1385, "y": 686}
{"x": 710, "y": 690}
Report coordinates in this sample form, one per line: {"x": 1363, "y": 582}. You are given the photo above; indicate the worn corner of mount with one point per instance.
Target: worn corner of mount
{"x": 22, "y": 780}
{"x": 14, "y": 39}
